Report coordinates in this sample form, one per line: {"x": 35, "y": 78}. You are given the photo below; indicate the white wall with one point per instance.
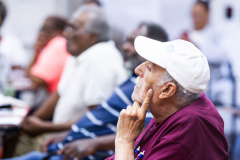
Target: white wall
{"x": 25, "y": 17}
{"x": 126, "y": 15}
{"x": 173, "y": 15}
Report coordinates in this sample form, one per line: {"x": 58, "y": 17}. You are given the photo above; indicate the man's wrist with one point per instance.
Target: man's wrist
{"x": 121, "y": 141}
{"x": 124, "y": 149}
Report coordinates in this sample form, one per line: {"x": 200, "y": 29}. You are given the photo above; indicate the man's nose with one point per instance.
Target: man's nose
{"x": 139, "y": 70}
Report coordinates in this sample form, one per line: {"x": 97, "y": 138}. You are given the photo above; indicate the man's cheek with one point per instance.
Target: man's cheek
{"x": 134, "y": 95}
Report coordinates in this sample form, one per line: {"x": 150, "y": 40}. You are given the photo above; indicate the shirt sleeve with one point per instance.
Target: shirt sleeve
{"x": 50, "y": 63}
{"x": 168, "y": 149}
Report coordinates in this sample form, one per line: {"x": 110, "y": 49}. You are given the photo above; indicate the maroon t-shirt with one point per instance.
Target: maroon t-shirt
{"x": 194, "y": 132}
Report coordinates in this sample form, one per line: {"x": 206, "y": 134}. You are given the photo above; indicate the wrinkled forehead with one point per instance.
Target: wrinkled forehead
{"x": 157, "y": 68}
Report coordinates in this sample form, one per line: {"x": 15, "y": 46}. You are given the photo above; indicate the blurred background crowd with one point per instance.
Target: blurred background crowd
{"x": 34, "y": 52}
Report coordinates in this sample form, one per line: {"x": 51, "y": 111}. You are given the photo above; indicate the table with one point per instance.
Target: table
{"x": 10, "y": 120}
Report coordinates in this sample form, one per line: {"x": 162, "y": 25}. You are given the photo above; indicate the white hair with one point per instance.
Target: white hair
{"x": 183, "y": 96}
{"x": 97, "y": 22}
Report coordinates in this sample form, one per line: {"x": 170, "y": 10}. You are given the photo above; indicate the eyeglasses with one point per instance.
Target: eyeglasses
{"x": 71, "y": 30}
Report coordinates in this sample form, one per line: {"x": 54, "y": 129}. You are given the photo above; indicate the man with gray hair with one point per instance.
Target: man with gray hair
{"x": 90, "y": 75}
{"x": 186, "y": 124}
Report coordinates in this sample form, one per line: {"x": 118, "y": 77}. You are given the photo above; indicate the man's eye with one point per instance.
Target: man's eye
{"x": 149, "y": 68}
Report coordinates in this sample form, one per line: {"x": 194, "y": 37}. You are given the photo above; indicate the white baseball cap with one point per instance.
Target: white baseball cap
{"x": 183, "y": 61}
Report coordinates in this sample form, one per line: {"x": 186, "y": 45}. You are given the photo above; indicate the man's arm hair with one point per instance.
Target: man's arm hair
{"x": 46, "y": 110}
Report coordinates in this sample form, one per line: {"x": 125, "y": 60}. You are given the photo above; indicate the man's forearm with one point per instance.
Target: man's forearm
{"x": 105, "y": 142}
{"x": 51, "y": 127}
{"x": 46, "y": 110}
{"x": 124, "y": 150}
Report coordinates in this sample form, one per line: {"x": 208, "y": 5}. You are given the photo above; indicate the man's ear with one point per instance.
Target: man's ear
{"x": 167, "y": 90}
{"x": 94, "y": 39}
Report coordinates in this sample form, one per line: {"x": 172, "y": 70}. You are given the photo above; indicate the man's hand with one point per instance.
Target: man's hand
{"x": 132, "y": 120}
{"x": 130, "y": 125}
{"x": 33, "y": 126}
{"x": 79, "y": 149}
{"x": 54, "y": 138}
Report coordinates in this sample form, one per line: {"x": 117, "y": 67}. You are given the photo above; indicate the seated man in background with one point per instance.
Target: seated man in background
{"x": 96, "y": 130}
{"x": 186, "y": 124}
{"x": 89, "y": 77}
{"x": 50, "y": 55}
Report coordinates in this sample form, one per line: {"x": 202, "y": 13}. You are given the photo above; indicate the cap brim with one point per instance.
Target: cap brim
{"x": 151, "y": 50}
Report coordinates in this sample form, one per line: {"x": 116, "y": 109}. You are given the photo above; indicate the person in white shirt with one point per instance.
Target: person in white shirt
{"x": 90, "y": 75}
{"x": 10, "y": 46}
{"x": 12, "y": 52}
{"x": 204, "y": 35}
{"x": 209, "y": 40}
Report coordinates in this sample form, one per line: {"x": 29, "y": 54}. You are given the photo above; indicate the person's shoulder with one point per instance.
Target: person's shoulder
{"x": 201, "y": 112}
{"x": 58, "y": 42}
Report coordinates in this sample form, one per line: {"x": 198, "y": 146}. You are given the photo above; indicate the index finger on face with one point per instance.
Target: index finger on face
{"x": 136, "y": 105}
{"x": 147, "y": 100}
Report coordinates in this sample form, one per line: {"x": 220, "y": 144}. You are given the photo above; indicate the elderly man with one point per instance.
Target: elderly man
{"x": 90, "y": 75}
{"x": 186, "y": 125}
{"x": 100, "y": 123}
